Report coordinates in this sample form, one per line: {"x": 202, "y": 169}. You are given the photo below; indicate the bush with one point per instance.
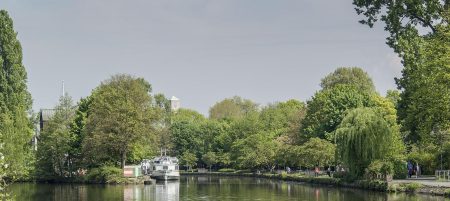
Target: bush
{"x": 227, "y": 170}
{"x": 105, "y": 174}
{"x": 400, "y": 169}
{"x": 412, "y": 187}
{"x": 379, "y": 167}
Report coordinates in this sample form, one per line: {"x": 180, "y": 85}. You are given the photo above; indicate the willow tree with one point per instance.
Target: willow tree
{"x": 15, "y": 100}
{"x": 362, "y": 137}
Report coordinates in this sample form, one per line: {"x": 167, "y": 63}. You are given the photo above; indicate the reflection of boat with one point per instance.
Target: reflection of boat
{"x": 164, "y": 168}
{"x": 167, "y": 191}
{"x": 159, "y": 191}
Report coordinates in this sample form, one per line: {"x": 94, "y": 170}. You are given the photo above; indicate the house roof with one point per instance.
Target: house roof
{"x": 47, "y": 114}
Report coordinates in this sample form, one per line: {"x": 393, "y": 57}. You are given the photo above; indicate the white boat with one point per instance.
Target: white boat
{"x": 164, "y": 168}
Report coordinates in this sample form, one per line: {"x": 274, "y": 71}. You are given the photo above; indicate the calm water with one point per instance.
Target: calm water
{"x": 204, "y": 188}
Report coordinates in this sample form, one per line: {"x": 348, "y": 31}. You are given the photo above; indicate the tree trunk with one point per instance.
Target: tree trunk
{"x": 124, "y": 156}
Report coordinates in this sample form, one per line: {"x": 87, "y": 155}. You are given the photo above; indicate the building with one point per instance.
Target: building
{"x": 174, "y": 104}
{"x": 44, "y": 116}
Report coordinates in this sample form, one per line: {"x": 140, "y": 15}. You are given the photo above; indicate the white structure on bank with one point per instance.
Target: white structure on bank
{"x": 174, "y": 103}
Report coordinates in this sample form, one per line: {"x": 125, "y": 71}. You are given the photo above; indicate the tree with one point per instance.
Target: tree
{"x": 425, "y": 99}
{"x": 363, "y": 136}
{"x": 15, "y": 101}
{"x": 327, "y": 108}
{"x": 77, "y": 133}
{"x": 210, "y": 159}
{"x": 317, "y": 152}
{"x": 348, "y": 76}
{"x": 424, "y": 82}
{"x": 189, "y": 159}
{"x": 53, "y": 159}
{"x": 282, "y": 118}
{"x": 255, "y": 151}
{"x": 232, "y": 108}
{"x": 403, "y": 17}
{"x": 393, "y": 96}
{"x": 120, "y": 118}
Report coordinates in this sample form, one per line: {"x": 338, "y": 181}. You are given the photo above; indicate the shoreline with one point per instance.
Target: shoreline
{"x": 374, "y": 185}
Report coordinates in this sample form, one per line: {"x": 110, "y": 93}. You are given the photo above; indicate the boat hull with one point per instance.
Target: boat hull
{"x": 166, "y": 175}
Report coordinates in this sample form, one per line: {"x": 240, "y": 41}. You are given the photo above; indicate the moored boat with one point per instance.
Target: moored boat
{"x": 164, "y": 168}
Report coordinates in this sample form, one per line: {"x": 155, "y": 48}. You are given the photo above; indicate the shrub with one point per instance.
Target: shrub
{"x": 400, "y": 169}
{"x": 227, "y": 170}
{"x": 105, "y": 174}
{"x": 412, "y": 187}
{"x": 379, "y": 167}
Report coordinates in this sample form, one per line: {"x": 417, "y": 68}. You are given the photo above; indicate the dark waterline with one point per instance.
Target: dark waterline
{"x": 205, "y": 188}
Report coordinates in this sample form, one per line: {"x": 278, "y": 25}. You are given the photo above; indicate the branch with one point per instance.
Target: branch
{"x": 427, "y": 23}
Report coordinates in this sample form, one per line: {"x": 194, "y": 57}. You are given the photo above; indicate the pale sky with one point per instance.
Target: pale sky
{"x": 200, "y": 51}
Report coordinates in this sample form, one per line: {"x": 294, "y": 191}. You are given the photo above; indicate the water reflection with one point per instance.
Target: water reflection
{"x": 160, "y": 191}
{"x": 205, "y": 188}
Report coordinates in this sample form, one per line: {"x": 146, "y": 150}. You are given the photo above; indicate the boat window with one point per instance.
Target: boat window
{"x": 165, "y": 167}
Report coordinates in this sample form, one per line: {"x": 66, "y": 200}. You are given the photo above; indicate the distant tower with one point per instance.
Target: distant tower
{"x": 63, "y": 92}
{"x": 174, "y": 103}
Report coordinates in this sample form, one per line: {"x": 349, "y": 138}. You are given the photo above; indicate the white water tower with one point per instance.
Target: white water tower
{"x": 174, "y": 103}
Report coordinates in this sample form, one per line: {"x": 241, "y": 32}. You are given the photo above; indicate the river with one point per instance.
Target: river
{"x": 205, "y": 188}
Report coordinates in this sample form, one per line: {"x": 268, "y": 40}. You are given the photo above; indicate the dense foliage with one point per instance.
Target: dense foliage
{"x": 15, "y": 102}
{"x": 419, "y": 33}
{"x": 120, "y": 121}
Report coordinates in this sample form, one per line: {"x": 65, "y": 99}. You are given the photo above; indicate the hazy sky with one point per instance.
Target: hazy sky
{"x": 201, "y": 51}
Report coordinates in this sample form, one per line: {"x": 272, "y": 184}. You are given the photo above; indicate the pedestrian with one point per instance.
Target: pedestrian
{"x": 417, "y": 170}
{"x": 410, "y": 169}
{"x": 316, "y": 171}
{"x": 329, "y": 171}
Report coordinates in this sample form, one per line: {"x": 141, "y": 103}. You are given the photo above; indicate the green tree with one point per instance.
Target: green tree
{"x": 283, "y": 118}
{"x": 363, "y": 136}
{"x": 393, "y": 96}
{"x": 327, "y": 109}
{"x": 232, "y": 108}
{"x": 419, "y": 33}
{"x": 209, "y": 159}
{"x": 403, "y": 17}
{"x": 425, "y": 99}
{"x": 77, "y": 134}
{"x": 15, "y": 101}
{"x": 255, "y": 151}
{"x": 120, "y": 119}
{"x": 317, "y": 152}
{"x": 53, "y": 159}
{"x": 189, "y": 159}
{"x": 348, "y": 76}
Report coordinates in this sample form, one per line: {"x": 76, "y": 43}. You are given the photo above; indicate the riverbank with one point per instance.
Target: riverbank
{"x": 407, "y": 186}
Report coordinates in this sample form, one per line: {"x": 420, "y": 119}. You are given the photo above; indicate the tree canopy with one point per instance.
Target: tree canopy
{"x": 231, "y": 108}
{"x": 348, "y": 76}
{"x": 362, "y": 137}
{"x": 15, "y": 101}
{"x": 121, "y": 118}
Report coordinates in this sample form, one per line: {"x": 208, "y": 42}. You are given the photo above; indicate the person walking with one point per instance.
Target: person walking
{"x": 410, "y": 169}
{"x": 417, "y": 170}
{"x": 316, "y": 171}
